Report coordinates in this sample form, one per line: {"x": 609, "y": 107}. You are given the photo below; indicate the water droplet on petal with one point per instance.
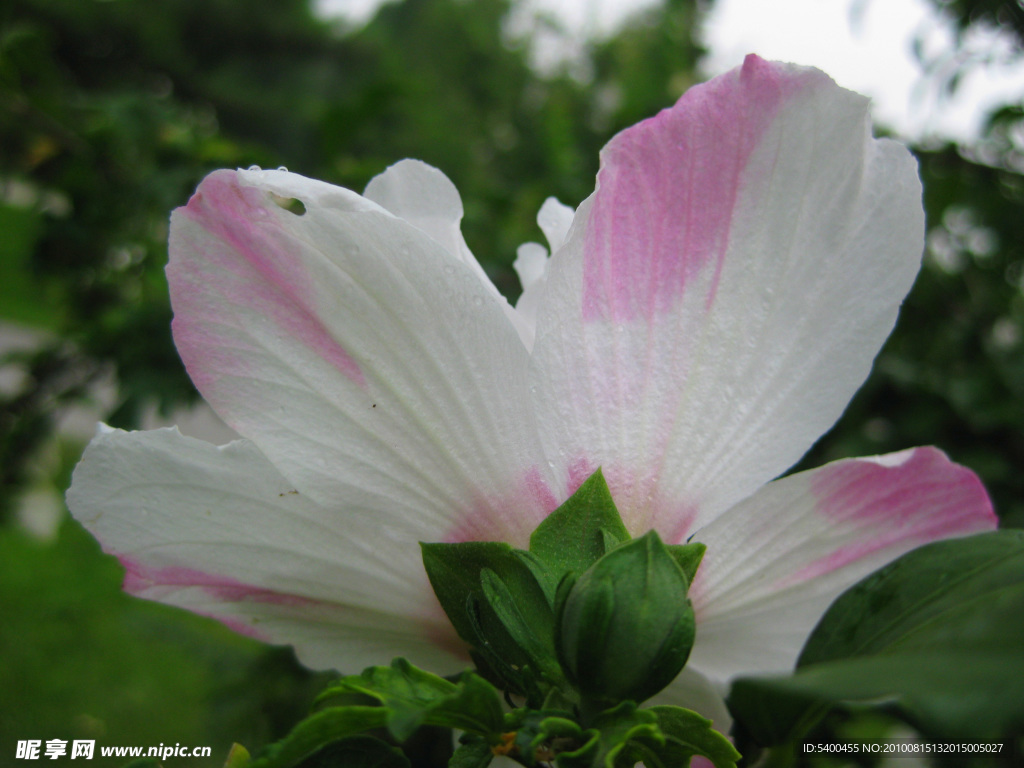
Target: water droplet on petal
{"x": 282, "y": 168}
{"x": 449, "y": 269}
{"x": 255, "y": 168}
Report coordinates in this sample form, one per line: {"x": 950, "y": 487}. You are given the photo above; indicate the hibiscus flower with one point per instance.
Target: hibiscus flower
{"x": 703, "y": 318}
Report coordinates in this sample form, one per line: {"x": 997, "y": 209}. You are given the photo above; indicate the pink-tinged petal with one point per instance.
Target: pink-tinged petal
{"x": 668, "y": 189}
{"x": 264, "y": 269}
{"x": 220, "y": 532}
{"x": 373, "y": 367}
{"x": 776, "y": 561}
{"x": 723, "y": 293}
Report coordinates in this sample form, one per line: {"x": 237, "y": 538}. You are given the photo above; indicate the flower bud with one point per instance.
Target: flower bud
{"x": 626, "y": 627}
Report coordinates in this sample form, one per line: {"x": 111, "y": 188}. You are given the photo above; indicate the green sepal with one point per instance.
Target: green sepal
{"x": 625, "y": 627}
{"x": 317, "y": 731}
{"x": 935, "y": 635}
{"x": 530, "y": 624}
{"x": 411, "y": 698}
{"x": 456, "y": 574}
{"x": 542, "y": 573}
{"x": 580, "y": 531}
{"x": 688, "y": 557}
{"x": 497, "y": 656}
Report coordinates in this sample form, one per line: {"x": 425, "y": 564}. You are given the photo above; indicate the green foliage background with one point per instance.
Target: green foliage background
{"x": 111, "y": 112}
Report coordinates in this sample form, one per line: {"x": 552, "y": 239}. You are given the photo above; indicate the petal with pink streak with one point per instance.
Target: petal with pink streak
{"x": 366, "y": 360}
{"x": 261, "y": 268}
{"x": 511, "y": 519}
{"x": 777, "y": 560}
{"x": 722, "y": 295}
{"x": 218, "y": 531}
{"x": 668, "y": 187}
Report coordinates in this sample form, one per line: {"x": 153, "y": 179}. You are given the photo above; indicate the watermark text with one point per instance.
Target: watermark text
{"x": 81, "y": 749}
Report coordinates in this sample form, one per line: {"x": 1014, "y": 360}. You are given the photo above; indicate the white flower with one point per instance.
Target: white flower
{"x": 705, "y": 316}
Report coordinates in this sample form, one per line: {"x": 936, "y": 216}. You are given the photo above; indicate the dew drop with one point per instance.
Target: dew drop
{"x": 282, "y": 168}
{"x": 449, "y": 269}
{"x": 255, "y": 168}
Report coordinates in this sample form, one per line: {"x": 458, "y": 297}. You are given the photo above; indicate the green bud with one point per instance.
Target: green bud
{"x": 625, "y": 628}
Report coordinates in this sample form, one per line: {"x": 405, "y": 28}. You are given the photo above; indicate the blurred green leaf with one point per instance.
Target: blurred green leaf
{"x": 412, "y": 697}
{"x": 934, "y": 635}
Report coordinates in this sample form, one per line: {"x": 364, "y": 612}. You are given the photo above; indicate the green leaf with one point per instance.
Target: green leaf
{"x": 622, "y": 734}
{"x": 688, "y": 734}
{"x": 412, "y": 697}
{"x": 472, "y": 753}
{"x": 319, "y": 730}
{"x": 576, "y": 535}
{"x": 542, "y": 735}
{"x": 936, "y": 635}
{"x": 916, "y": 594}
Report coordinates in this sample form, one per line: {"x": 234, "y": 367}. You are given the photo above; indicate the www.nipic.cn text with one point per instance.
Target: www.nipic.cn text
{"x": 80, "y": 749}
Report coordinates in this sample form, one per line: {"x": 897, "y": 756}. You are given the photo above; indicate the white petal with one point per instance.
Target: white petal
{"x": 220, "y": 532}
{"x": 423, "y": 196}
{"x": 372, "y": 367}
{"x": 555, "y": 219}
{"x": 777, "y": 560}
{"x": 531, "y": 264}
{"x": 724, "y": 292}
